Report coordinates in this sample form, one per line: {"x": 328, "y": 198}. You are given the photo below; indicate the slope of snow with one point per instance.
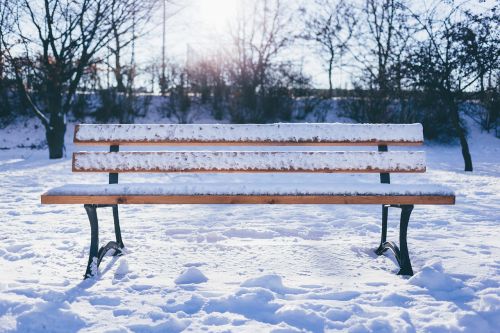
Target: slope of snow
{"x": 307, "y": 268}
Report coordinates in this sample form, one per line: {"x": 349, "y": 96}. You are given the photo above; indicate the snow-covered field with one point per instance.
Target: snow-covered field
{"x": 219, "y": 268}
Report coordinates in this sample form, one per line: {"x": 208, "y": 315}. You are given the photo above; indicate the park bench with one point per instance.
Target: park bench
{"x": 382, "y": 161}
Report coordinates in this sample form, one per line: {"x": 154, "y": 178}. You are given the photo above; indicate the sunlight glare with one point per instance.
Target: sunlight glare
{"x": 216, "y": 14}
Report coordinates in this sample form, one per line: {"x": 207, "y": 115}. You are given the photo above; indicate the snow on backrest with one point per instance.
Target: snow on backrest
{"x": 250, "y": 161}
{"x": 248, "y": 134}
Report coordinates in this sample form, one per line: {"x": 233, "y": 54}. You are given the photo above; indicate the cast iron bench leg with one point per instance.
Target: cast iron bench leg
{"x": 118, "y": 232}
{"x": 96, "y": 254}
{"x": 94, "y": 241}
{"x": 401, "y": 252}
{"x": 383, "y": 238}
{"x": 404, "y": 262}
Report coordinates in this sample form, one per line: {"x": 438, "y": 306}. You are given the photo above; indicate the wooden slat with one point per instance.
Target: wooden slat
{"x": 248, "y": 143}
{"x": 251, "y": 199}
{"x": 250, "y": 134}
{"x": 249, "y": 161}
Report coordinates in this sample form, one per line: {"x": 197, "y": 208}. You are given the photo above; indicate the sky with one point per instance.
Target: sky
{"x": 202, "y": 25}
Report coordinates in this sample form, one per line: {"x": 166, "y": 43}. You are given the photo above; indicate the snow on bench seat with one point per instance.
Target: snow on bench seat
{"x": 144, "y": 193}
{"x": 249, "y": 161}
{"x": 261, "y": 134}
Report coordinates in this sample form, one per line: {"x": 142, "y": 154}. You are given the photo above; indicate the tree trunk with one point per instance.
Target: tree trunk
{"x": 462, "y": 137}
{"x": 330, "y": 71}
{"x": 55, "y": 135}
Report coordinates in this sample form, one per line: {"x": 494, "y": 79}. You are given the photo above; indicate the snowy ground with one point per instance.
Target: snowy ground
{"x": 249, "y": 268}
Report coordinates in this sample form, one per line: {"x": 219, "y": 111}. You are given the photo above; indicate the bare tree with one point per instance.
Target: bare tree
{"x": 128, "y": 20}
{"x": 6, "y": 25}
{"x": 481, "y": 39}
{"x": 331, "y": 26}
{"x": 260, "y": 35}
{"x": 67, "y": 35}
{"x": 457, "y": 53}
{"x": 207, "y": 76}
{"x": 381, "y": 47}
{"x": 6, "y": 29}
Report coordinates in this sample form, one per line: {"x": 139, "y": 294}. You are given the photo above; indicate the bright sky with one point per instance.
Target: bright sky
{"x": 215, "y": 14}
{"x": 202, "y": 23}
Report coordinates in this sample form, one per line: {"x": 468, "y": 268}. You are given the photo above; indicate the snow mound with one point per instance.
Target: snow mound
{"x": 257, "y": 304}
{"x": 216, "y": 320}
{"x": 170, "y": 325}
{"x": 338, "y": 315}
{"x": 440, "y": 285}
{"x": 490, "y": 303}
{"x": 260, "y": 304}
{"x": 433, "y": 278}
{"x": 271, "y": 282}
{"x": 191, "y": 306}
{"x": 191, "y": 275}
{"x": 489, "y": 307}
{"x": 301, "y": 318}
{"x": 123, "y": 268}
{"x": 49, "y": 317}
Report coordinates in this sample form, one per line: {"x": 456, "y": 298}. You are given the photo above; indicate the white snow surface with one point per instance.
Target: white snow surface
{"x": 251, "y": 160}
{"x": 191, "y": 275}
{"x": 280, "y": 132}
{"x": 308, "y": 188}
{"x": 281, "y": 268}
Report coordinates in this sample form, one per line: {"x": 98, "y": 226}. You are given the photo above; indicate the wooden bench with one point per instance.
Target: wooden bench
{"x": 380, "y": 162}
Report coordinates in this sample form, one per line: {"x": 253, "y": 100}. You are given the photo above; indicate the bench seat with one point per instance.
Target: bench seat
{"x": 249, "y": 193}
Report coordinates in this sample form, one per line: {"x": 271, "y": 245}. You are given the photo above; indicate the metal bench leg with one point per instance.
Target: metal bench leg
{"x": 96, "y": 254}
{"x": 404, "y": 262}
{"x": 94, "y": 241}
{"x": 401, "y": 252}
{"x": 118, "y": 232}
{"x": 383, "y": 238}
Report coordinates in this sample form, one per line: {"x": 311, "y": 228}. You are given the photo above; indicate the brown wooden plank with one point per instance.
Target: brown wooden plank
{"x": 247, "y": 143}
{"x": 250, "y": 199}
{"x": 250, "y": 162}
{"x": 154, "y": 140}
{"x": 361, "y": 171}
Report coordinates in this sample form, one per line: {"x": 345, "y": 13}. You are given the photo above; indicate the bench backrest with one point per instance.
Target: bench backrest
{"x": 380, "y": 135}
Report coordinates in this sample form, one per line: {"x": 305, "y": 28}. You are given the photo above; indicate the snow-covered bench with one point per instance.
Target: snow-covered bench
{"x": 278, "y": 160}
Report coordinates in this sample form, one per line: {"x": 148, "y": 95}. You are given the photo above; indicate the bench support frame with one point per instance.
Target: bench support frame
{"x": 401, "y": 252}
{"x": 96, "y": 254}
